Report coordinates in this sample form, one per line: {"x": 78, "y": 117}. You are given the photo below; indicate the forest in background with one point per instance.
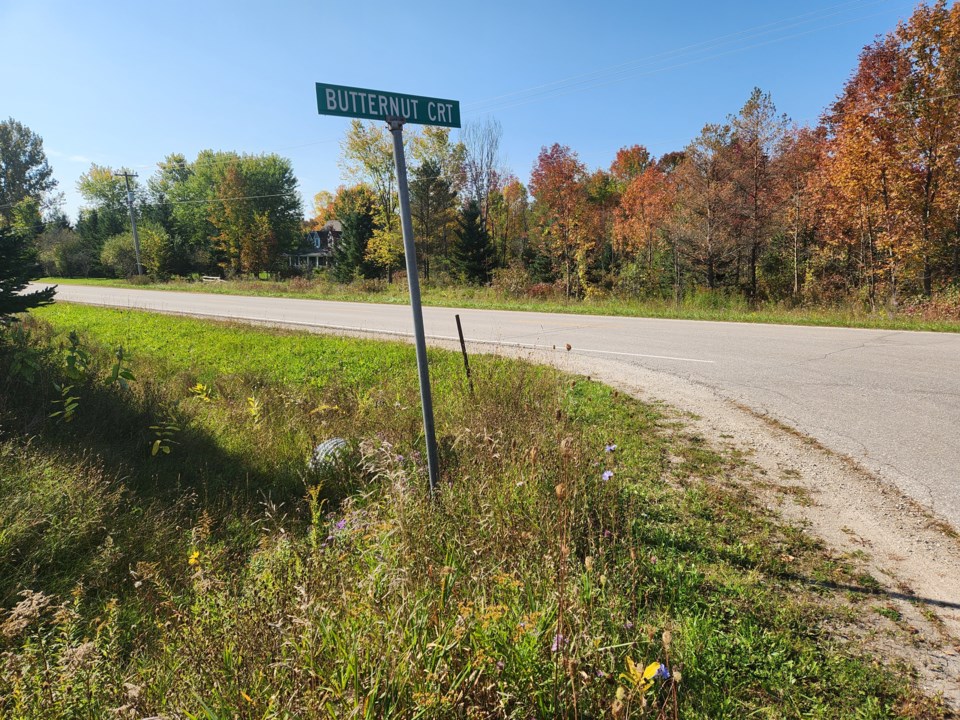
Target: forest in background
{"x": 863, "y": 208}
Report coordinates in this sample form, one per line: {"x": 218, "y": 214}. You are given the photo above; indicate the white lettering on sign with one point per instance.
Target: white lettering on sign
{"x": 367, "y": 103}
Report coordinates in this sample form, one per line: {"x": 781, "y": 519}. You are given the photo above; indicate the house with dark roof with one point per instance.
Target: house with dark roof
{"x": 317, "y": 247}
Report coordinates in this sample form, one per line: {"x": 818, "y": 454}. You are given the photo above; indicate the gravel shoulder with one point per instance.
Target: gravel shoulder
{"x": 913, "y": 557}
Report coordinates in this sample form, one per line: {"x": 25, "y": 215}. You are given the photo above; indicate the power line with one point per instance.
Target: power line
{"x": 216, "y": 200}
{"x": 755, "y": 31}
{"x": 562, "y": 90}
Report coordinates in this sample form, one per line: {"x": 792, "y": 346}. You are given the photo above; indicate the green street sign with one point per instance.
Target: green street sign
{"x": 378, "y": 105}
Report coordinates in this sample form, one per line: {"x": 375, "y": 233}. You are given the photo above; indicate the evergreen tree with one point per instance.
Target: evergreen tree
{"x": 474, "y": 251}
{"x": 354, "y": 208}
{"x": 18, "y": 265}
{"x": 433, "y": 206}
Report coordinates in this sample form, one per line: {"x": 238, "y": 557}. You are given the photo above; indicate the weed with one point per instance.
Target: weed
{"x": 163, "y": 438}
{"x": 67, "y": 402}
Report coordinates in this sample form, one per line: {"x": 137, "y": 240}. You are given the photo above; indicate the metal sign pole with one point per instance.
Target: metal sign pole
{"x": 396, "y": 128}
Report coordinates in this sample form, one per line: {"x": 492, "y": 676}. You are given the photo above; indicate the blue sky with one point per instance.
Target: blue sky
{"x": 124, "y": 83}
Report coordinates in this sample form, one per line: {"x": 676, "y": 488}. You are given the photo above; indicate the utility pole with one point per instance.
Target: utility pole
{"x": 133, "y": 217}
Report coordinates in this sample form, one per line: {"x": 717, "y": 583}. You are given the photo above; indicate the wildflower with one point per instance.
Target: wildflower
{"x": 628, "y": 625}
{"x": 662, "y": 673}
{"x": 558, "y": 643}
{"x": 500, "y": 665}
{"x": 641, "y": 680}
{"x": 607, "y": 474}
{"x": 610, "y": 448}
{"x": 194, "y": 558}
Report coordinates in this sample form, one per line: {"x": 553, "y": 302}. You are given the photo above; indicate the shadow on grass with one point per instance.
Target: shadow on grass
{"x": 876, "y": 591}
{"x": 143, "y": 504}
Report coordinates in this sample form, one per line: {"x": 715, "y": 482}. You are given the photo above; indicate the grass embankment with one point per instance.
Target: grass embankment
{"x": 936, "y": 316}
{"x": 220, "y": 577}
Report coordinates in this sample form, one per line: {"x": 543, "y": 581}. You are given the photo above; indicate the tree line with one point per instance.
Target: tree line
{"x": 864, "y": 206}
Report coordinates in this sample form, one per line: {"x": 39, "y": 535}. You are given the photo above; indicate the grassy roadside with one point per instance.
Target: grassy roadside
{"x": 701, "y": 307}
{"x": 578, "y": 534}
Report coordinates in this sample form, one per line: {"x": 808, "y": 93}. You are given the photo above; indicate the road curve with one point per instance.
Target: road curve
{"x": 890, "y": 400}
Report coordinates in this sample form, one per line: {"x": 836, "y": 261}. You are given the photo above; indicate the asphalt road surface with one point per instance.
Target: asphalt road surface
{"x": 890, "y": 400}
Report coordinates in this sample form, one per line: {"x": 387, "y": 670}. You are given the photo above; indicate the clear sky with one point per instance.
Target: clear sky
{"x": 126, "y": 83}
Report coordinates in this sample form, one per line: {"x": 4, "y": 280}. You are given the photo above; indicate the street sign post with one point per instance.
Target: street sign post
{"x": 396, "y": 109}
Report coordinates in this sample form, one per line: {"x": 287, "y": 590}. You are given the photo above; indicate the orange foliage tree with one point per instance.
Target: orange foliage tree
{"x": 563, "y": 212}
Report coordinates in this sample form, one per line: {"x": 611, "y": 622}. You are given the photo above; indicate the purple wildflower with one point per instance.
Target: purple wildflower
{"x": 662, "y": 673}
{"x": 500, "y": 665}
{"x": 607, "y": 474}
{"x": 558, "y": 642}
{"x": 628, "y": 625}
{"x": 610, "y": 448}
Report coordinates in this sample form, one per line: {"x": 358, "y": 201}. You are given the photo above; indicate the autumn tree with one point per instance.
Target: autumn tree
{"x": 757, "y": 133}
{"x": 703, "y": 222}
{"x": 563, "y": 210}
{"x": 641, "y": 218}
{"x": 630, "y": 163}
{"x": 323, "y": 209}
{"x": 509, "y": 220}
{"x": 236, "y": 211}
{"x": 928, "y": 142}
{"x": 800, "y": 155}
{"x": 246, "y": 239}
{"x": 856, "y": 181}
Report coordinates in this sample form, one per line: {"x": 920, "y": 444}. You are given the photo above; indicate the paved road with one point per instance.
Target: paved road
{"x": 888, "y": 399}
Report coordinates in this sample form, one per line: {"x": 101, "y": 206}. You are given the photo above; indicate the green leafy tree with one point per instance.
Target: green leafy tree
{"x": 156, "y": 247}
{"x": 18, "y": 266}
{"x": 367, "y": 157}
{"x": 118, "y": 255}
{"x": 62, "y": 252}
{"x": 241, "y": 211}
{"x": 24, "y": 171}
{"x": 474, "y": 251}
{"x": 104, "y": 213}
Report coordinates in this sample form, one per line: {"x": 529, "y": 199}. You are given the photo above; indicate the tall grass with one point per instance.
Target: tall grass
{"x": 578, "y": 539}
